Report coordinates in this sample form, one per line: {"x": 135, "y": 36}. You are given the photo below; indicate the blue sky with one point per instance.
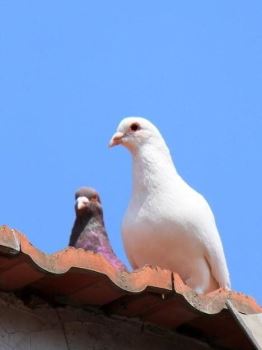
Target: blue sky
{"x": 70, "y": 71}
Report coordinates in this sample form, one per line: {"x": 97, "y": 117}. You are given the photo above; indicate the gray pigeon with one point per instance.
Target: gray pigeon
{"x": 168, "y": 223}
{"x": 89, "y": 231}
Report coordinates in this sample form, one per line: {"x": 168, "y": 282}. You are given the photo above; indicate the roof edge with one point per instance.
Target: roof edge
{"x": 13, "y": 242}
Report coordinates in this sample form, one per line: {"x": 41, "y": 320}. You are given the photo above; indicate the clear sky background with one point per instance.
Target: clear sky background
{"x": 70, "y": 71}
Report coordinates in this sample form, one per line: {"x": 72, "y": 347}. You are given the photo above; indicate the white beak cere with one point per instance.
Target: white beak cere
{"x": 116, "y": 139}
{"x": 82, "y": 202}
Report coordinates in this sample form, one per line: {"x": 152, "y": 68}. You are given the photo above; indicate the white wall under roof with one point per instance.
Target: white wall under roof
{"x": 39, "y": 326}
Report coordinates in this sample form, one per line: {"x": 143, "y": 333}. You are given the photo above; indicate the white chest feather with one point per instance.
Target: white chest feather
{"x": 159, "y": 227}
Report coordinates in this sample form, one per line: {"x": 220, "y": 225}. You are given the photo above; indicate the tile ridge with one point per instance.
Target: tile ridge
{"x": 9, "y": 240}
{"x": 13, "y": 242}
{"x": 214, "y": 302}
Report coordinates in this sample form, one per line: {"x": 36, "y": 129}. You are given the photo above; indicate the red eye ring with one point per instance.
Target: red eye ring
{"x": 134, "y": 127}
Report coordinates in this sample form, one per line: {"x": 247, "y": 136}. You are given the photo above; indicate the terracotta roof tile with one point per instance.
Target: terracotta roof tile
{"x": 78, "y": 277}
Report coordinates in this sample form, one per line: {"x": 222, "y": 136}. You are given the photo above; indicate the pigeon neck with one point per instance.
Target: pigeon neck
{"x": 152, "y": 165}
{"x": 90, "y": 219}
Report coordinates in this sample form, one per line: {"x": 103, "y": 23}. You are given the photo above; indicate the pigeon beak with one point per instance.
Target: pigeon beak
{"x": 116, "y": 139}
{"x": 82, "y": 202}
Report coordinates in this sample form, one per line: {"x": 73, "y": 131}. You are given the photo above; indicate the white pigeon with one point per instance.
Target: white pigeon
{"x": 167, "y": 223}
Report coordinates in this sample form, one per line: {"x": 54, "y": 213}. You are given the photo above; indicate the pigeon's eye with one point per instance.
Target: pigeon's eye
{"x": 94, "y": 198}
{"x": 134, "y": 127}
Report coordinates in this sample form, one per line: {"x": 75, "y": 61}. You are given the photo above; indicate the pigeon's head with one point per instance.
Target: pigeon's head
{"x": 133, "y": 132}
{"x": 87, "y": 200}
